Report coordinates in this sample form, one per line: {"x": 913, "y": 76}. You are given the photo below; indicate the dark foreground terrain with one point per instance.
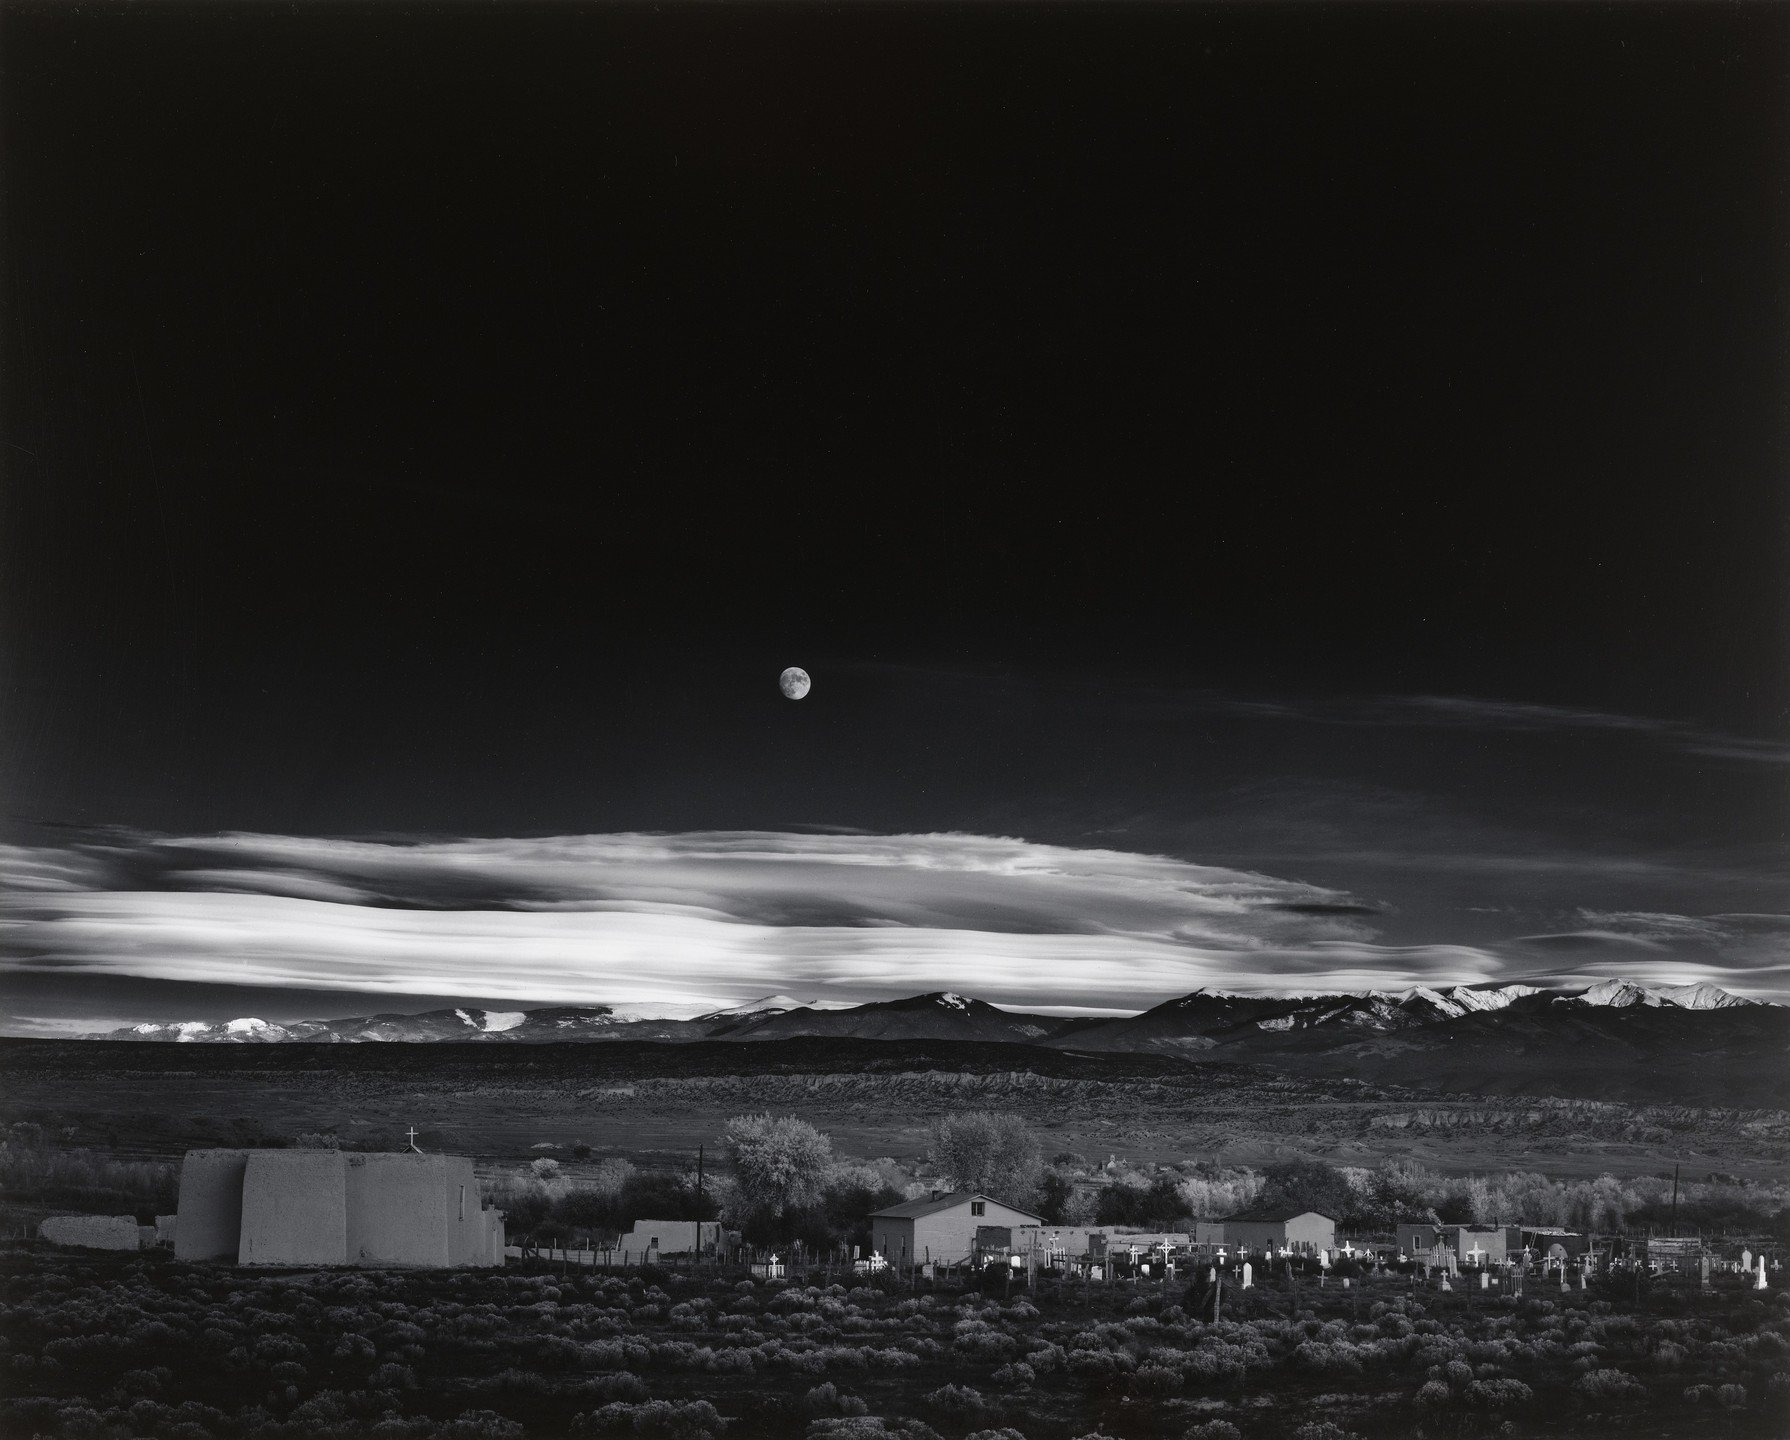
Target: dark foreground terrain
{"x": 141, "y": 1346}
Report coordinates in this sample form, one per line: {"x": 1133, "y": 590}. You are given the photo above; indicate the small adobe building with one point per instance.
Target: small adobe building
{"x": 330, "y": 1207}
{"x": 946, "y": 1228}
{"x": 1303, "y": 1232}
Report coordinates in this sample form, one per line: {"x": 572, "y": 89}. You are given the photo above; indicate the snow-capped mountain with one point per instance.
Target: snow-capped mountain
{"x": 1462, "y": 999}
{"x": 1203, "y": 1020}
{"x": 1621, "y": 993}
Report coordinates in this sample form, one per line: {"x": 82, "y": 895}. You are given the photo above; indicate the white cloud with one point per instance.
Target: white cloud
{"x": 677, "y": 920}
{"x": 696, "y": 921}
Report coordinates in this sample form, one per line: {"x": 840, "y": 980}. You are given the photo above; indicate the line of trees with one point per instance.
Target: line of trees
{"x": 782, "y": 1182}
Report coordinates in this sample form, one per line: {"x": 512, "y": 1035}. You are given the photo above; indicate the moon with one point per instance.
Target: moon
{"x": 794, "y": 682}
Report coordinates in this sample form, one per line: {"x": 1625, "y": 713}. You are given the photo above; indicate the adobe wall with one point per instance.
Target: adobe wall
{"x": 675, "y": 1237}
{"x": 1315, "y": 1231}
{"x": 409, "y": 1209}
{"x": 294, "y": 1208}
{"x": 210, "y": 1206}
{"x": 96, "y": 1232}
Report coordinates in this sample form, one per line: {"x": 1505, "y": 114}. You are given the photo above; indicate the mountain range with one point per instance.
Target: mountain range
{"x": 1204, "y": 1020}
{"x": 1618, "y": 1040}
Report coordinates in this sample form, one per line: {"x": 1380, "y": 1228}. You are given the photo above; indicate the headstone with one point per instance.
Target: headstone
{"x": 1761, "y": 1285}
{"x": 1485, "y": 1280}
{"x": 1746, "y": 1259}
{"x": 1705, "y": 1268}
{"x": 1249, "y": 1274}
{"x": 1445, "y": 1284}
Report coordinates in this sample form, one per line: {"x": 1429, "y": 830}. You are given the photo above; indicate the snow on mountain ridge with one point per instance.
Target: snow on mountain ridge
{"x": 1618, "y": 994}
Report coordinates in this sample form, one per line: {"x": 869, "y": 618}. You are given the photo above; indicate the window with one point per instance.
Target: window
{"x": 978, "y": 1207}
{"x": 462, "y": 1202}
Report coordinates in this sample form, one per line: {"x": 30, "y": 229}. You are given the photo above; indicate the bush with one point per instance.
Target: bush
{"x": 479, "y": 1425}
{"x": 1212, "y": 1430}
{"x": 828, "y": 1399}
{"x": 1498, "y": 1394}
{"x": 655, "y": 1419}
{"x": 958, "y": 1402}
{"x": 1611, "y": 1386}
{"x": 1433, "y": 1394}
{"x": 870, "y": 1427}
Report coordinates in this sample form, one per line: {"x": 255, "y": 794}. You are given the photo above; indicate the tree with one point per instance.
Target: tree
{"x": 1159, "y": 1204}
{"x": 994, "y": 1153}
{"x": 779, "y": 1164}
{"x": 1056, "y": 1193}
{"x": 1308, "y": 1185}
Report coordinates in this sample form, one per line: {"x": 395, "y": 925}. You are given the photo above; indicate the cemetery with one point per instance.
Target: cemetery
{"x": 104, "y": 1344}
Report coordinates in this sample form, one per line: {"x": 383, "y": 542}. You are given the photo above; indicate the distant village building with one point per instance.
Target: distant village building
{"x": 1481, "y": 1245}
{"x": 944, "y": 1227}
{"x": 1543, "y": 1239}
{"x": 328, "y": 1207}
{"x": 95, "y": 1232}
{"x": 673, "y": 1237}
{"x": 1304, "y": 1232}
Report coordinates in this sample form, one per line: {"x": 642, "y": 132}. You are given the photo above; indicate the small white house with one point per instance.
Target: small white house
{"x": 946, "y": 1228}
{"x": 672, "y": 1237}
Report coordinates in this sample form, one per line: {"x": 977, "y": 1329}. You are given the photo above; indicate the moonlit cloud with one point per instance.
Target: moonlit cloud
{"x": 678, "y": 921}
{"x": 684, "y": 923}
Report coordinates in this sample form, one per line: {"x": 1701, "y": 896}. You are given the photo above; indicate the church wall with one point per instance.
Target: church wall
{"x": 294, "y": 1208}
{"x": 210, "y": 1205}
{"x": 402, "y": 1208}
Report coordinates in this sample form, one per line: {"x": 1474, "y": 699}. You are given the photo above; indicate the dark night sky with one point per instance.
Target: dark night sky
{"x": 1345, "y": 442}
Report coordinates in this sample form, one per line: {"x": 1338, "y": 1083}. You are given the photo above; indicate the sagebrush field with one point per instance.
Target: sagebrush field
{"x": 104, "y": 1346}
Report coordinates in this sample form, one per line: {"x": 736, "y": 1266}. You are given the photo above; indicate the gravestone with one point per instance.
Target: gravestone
{"x": 1249, "y": 1275}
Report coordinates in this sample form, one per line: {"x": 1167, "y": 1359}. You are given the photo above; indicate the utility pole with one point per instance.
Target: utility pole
{"x": 1674, "y": 1197}
{"x": 699, "y": 1202}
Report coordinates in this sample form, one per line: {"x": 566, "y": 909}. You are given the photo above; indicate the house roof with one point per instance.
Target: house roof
{"x": 1270, "y": 1217}
{"x": 914, "y": 1209}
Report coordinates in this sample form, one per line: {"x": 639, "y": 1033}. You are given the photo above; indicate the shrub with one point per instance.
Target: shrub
{"x": 1323, "y": 1430}
{"x": 655, "y": 1419}
{"x": 1610, "y": 1386}
{"x": 1434, "y": 1393}
{"x": 478, "y": 1425}
{"x": 1498, "y": 1394}
{"x": 828, "y": 1399}
{"x": 1156, "y": 1380}
{"x": 1213, "y": 1430}
{"x": 1731, "y": 1397}
{"x": 870, "y": 1427}
{"x": 959, "y": 1402}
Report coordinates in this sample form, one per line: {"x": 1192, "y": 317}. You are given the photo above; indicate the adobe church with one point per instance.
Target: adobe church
{"x": 330, "y": 1207}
